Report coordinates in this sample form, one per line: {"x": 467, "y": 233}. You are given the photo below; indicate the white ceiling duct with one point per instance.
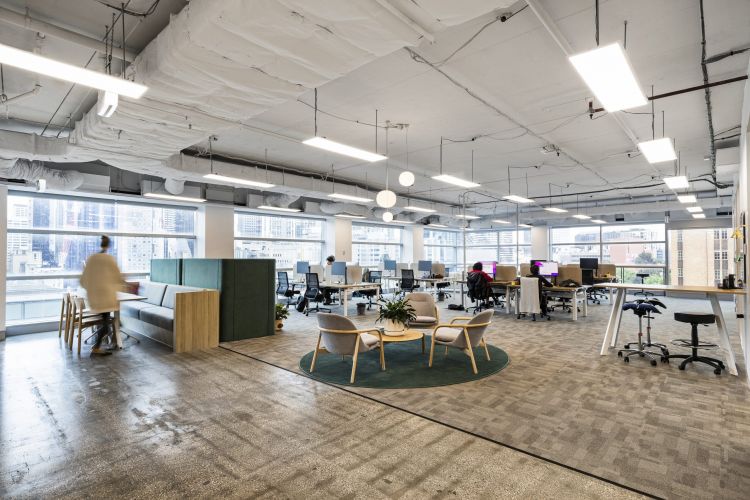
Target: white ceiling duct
{"x": 174, "y": 186}
{"x": 333, "y": 208}
{"x": 279, "y": 200}
{"x": 33, "y": 171}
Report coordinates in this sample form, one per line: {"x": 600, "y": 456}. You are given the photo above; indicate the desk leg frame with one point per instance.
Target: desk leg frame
{"x": 613, "y": 325}
{"x": 721, "y": 325}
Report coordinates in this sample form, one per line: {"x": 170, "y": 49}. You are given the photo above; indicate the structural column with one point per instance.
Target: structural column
{"x": 339, "y": 238}
{"x": 215, "y": 232}
{"x": 539, "y": 242}
{"x": 3, "y": 256}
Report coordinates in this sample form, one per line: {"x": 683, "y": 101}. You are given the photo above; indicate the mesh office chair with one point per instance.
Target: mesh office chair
{"x": 407, "y": 281}
{"x": 313, "y": 293}
{"x": 284, "y": 288}
{"x": 372, "y": 277}
{"x": 479, "y": 291}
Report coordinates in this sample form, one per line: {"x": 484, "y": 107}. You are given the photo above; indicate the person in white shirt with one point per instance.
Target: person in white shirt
{"x": 102, "y": 280}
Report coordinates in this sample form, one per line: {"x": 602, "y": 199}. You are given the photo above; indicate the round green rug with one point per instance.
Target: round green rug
{"x": 406, "y": 366}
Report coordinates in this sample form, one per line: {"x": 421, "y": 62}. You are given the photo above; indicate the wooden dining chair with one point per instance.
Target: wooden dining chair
{"x": 82, "y": 318}
{"x": 65, "y": 310}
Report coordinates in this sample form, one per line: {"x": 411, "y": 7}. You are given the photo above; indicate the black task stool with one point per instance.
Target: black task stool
{"x": 651, "y": 307}
{"x": 694, "y": 344}
{"x": 641, "y": 309}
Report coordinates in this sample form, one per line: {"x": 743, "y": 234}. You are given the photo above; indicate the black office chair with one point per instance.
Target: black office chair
{"x": 694, "y": 343}
{"x": 408, "y": 284}
{"x": 372, "y": 277}
{"x": 479, "y": 291}
{"x": 313, "y": 293}
{"x": 285, "y": 289}
{"x": 442, "y": 289}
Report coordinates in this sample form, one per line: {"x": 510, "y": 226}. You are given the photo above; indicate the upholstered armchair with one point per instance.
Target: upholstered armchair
{"x": 463, "y": 333}
{"x": 424, "y": 308}
{"x": 338, "y": 335}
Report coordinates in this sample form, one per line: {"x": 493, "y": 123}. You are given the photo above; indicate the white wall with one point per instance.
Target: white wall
{"x": 3, "y": 256}
{"x": 741, "y": 207}
{"x": 540, "y": 242}
{"x": 338, "y": 239}
{"x": 215, "y": 232}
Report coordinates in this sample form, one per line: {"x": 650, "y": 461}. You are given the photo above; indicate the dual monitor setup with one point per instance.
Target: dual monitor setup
{"x": 338, "y": 272}
{"x": 547, "y": 268}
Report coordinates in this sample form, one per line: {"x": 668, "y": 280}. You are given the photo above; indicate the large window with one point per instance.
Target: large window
{"x": 505, "y": 247}
{"x": 634, "y": 248}
{"x": 701, "y": 257}
{"x": 372, "y": 243}
{"x": 50, "y": 238}
{"x": 285, "y": 239}
{"x": 441, "y": 246}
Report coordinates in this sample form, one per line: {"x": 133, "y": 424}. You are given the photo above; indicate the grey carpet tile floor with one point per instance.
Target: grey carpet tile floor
{"x": 667, "y": 432}
{"x": 146, "y": 423}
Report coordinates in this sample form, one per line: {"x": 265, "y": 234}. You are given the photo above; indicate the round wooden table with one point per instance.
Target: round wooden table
{"x": 408, "y": 336}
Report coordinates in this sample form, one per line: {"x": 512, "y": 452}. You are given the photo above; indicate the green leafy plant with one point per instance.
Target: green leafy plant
{"x": 281, "y": 312}
{"x": 396, "y": 310}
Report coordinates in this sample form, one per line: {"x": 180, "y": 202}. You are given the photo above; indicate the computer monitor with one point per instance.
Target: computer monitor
{"x": 489, "y": 267}
{"x": 389, "y": 265}
{"x": 303, "y": 267}
{"x": 424, "y": 266}
{"x": 547, "y": 268}
{"x": 338, "y": 269}
{"x": 590, "y": 263}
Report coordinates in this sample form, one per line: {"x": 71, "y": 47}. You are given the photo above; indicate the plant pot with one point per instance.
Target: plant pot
{"x": 394, "y": 328}
{"x": 361, "y": 308}
{"x": 279, "y": 324}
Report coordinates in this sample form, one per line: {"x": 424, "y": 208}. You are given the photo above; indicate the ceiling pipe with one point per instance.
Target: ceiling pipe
{"x": 37, "y": 25}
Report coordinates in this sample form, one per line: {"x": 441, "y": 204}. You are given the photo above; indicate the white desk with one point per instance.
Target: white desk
{"x": 345, "y": 289}
{"x": 615, "y": 316}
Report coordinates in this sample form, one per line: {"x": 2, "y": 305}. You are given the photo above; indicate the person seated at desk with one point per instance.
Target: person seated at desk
{"x": 327, "y": 291}
{"x": 479, "y": 283}
{"x": 542, "y": 282}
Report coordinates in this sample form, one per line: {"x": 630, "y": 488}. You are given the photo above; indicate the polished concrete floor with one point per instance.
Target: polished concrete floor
{"x": 146, "y": 423}
{"x": 670, "y": 433}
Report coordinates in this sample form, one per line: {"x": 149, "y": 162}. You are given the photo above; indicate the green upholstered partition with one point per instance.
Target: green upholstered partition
{"x": 166, "y": 271}
{"x": 247, "y": 293}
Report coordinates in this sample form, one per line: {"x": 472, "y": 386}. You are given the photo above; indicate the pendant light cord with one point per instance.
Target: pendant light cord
{"x": 596, "y": 20}
{"x": 315, "y": 119}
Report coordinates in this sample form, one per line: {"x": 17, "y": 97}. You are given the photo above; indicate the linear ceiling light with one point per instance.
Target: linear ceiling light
{"x": 658, "y": 150}
{"x": 677, "y": 182}
{"x": 279, "y": 209}
{"x": 694, "y": 210}
{"x": 582, "y": 216}
{"x": 237, "y": 180}
{"x": 517, "y": 199}
{"x": 687, "y": 198}
{"x": 350, "y": 216}
{"x": 437, "y": 225}
{"x": 525, "y": 225}
{"x": 500, "y": 221}
{"x": 343, "y": 149}
{"x": 699, "y": 216}
{"x": 412, "y": 208}
{"x": 347, "y": 197}
{"x": 598, "y": 221}
{"x": 467, "y": 217}
{"x": 45, "y": 66}
{"x": 173, "y": 197}
{"x": 449, "y": 179}
{"x": 608, "y": 74}
{"x": 556, "y": 210}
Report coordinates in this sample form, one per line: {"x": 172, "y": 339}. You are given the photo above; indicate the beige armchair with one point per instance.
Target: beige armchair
{"x": 338, "y": 335}
{"x": 425, "y": 309}
{"x": 463, "y": 333}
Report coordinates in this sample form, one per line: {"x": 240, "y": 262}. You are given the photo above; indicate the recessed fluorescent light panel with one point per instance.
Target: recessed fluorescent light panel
{"x": 581, "y": 216}
{"x": 437, "y": 225}
{"x": 525, "y": 225}
{"x": 449, "y": 179}
{"x": 349, "y": 216}
{"x": 44, "y": 66}
{"x": 173, "y": 197}
{"x": 556, "y": 210}
{"x": 343, "y": 149}
{"x": 699, "y": 216}
{"x": 279, "y": 209}
{"x": 347, "y": 197}
{"x": 467, "y": 217}
{"x": 658, "y": 150}
{"x": 694, "y": 210}
{"x": 411, "y": 208}
{"x": 677, "y": 182}
{"x": 517, "y": 199}
{"x": 237, "y": 180}
{"x": 608, "y": 74}
{"x": 500, "y": 221}
{"x": 598, "y": 221}
{"x": 686, "y": 198}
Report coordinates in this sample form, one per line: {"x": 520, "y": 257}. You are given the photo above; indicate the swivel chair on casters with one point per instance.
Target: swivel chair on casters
{"x": 694, "y": 343}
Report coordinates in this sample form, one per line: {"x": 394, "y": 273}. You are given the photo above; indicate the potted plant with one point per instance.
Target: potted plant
{"x": 282, "y": 313}
{"x": 397, "y": 313}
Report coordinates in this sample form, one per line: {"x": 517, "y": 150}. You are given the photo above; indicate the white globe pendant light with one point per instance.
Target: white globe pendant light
{"x": 406, "y": 179}
{"x": 387, "y": 216}
{"x": 386, "y": 198}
